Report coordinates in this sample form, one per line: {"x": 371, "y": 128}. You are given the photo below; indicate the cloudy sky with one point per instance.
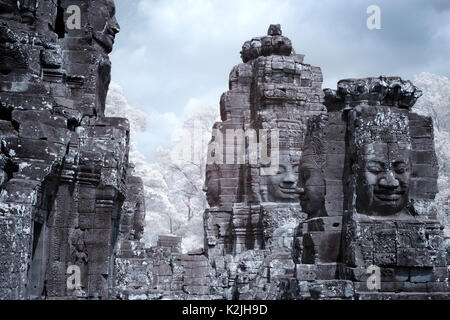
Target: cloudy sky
{"x": 174, "y": 56}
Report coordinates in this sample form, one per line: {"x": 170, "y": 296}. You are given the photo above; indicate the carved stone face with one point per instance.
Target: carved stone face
{"x": 105, "y": 25}
{"x": 282, "y": 187}
{"x": 79, "y": 245}
{"x": 383, "y": 178}
{"x": 211, "y": 186}
{"x": 312, "y": 191}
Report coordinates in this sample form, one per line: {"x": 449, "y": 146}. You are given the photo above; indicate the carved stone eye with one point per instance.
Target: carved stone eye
{"x": 374, "y": 169}
{"x": 400, "y": 170}
{"x": 281, "y": 169}
{"x": 305, "y": 174}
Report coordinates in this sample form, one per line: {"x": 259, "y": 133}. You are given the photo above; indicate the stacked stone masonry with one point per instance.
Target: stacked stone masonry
{"x": 67, "y": 193}
{"x": 263, "y": 242}
{"x": 355, "y": 174}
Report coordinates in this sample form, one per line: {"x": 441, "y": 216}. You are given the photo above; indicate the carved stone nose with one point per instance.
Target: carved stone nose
{"x": 289, "y": 179}
{"x": 115, "y": 27}
{"x": 389, "y": 181}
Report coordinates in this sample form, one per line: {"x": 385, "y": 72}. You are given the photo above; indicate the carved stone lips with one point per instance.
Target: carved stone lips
{"x": 389, "y": 195}
{"x": 111, "y": 36}
{"x": 288, "y": 190}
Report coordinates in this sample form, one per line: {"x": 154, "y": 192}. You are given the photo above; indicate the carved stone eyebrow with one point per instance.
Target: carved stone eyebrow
{"x": 111, "y": 9}
{"x": 398, "y": 162}
{"x": 377, "y": 162}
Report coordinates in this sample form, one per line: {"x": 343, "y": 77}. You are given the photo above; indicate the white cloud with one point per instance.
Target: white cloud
{"x": 196, "y": 103}
{"x": 164, "y": 125}
{"x": 175, "y": 55}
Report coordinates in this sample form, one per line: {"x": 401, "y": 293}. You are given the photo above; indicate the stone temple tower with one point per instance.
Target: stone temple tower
{"x": 371, "y": 232}
{"x": 255, "y": 151}
{"x": 66, "y": 192}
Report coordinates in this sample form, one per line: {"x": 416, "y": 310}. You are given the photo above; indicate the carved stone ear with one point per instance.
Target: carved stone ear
{"x": 411, "y": 209}
{"x": 28, "y": 11}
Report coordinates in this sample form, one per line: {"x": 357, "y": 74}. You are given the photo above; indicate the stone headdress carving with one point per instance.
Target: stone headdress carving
{"x": 313, "y": 154}
{"x": 387, "y": 91}
{"x": 273, "y": 43}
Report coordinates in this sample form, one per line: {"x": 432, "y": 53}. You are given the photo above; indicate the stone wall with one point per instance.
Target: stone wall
{"x": 346, "y": 216}
{"x": 272, "y": 90}
{"x": 272, "y": 95}
{"x": 252, "y": 218}
{"x": 379, "y": 232}
{"x": 65, "y": 188}
{"x": 333, "y": 188}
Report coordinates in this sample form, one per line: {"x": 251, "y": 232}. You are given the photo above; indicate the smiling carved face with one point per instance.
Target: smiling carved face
{"x": 383, "y": 178}
{"x": 311, "y": 187}
{"x": 105, "y": 25}
{"x": 282, "y": 187}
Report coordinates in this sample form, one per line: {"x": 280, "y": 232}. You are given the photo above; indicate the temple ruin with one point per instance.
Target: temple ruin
{"x": 67, "y": 193}
{"x": 337, "y": 190}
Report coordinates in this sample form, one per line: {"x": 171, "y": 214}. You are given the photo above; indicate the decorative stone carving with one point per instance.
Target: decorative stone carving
{"x": 254, "y": 215}
{"x": 380, "y": 221}
{"x": 258, "y": 242}
{"x": 63, "y": 165}
{"x": 311, "y": 185}
{"x": 78, "y": 248}
{"x": 273, "y": 43}
{"x": 68, "y": 194}
{"x": 23, "y": 11}
{"x": 382, "y": 165}
{"x": 388, "y": 91}
{"x": 104, "y": 24}
{"x": 273, "y": 91}
{"x": 282, "y": 186}
{"x": 317, "y": 239}
{"x": 364, "y": 152}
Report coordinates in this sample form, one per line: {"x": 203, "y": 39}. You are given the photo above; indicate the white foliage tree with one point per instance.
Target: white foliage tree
{"x": 173, "y": 184}
{"x": 184, "y": 167}
{"x": 435, "y": 103}
{"x": 117, "y": 106}
{"x": 160, "y": 211}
